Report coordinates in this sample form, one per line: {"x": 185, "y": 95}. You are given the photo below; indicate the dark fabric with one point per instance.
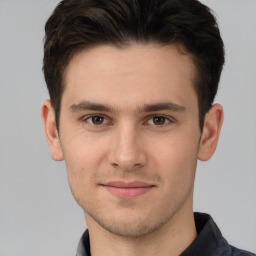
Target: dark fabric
{"x": 209, "y": 241}
{"x": 83, "y": 248}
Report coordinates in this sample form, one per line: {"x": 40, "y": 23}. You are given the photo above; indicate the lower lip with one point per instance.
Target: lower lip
{"x": 132, "y": 192}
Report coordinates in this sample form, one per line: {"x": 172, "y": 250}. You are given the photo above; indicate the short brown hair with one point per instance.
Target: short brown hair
{"x": 78, "y": 24}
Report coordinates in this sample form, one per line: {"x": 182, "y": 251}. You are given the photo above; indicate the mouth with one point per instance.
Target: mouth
{"x": 128, "y": 190}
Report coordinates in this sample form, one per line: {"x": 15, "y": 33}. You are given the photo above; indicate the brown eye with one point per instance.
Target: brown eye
{"x": 159, "y": 120}
{"x": 97, "y": 120}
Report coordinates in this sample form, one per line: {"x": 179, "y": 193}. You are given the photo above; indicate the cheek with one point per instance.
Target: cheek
{"x": 81, "y": 168}
{"x": 178, "y": 148}
{"x": 83, "y": 151}
{"x": 176, "y": 159}
{"x": 83, "y": 157}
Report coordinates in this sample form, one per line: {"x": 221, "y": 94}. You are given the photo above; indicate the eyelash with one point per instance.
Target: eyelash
{"x": 86, "y": 118}
{"x": 168, "y": 120}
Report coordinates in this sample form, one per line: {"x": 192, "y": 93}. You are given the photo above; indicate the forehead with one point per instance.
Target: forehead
{"x": 142, "y": 71}
{"x": 147, "y": 57}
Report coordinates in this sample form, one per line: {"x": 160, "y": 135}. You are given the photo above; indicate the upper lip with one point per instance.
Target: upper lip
{"x": 123, "y": 184}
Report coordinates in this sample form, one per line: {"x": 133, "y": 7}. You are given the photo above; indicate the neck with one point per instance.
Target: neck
{"x": 170, "y": 240}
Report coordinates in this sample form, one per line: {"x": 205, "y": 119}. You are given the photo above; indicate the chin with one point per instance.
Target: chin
{"x": 131, "y": 226}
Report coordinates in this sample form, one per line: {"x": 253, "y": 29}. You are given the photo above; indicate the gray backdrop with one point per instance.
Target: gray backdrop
{"x": 38, "y": 215}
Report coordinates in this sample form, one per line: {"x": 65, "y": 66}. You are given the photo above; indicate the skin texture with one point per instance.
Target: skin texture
{"x": 131, "y": 115}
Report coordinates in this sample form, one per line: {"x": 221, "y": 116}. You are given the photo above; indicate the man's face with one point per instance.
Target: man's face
{"x": 129, "y": 133}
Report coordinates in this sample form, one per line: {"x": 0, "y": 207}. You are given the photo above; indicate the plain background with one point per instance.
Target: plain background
{"x": 38, "y": 215}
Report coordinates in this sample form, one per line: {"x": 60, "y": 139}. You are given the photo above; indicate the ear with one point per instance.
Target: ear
{"x": 50, "y": 130}
{"x": 211, "y": 132}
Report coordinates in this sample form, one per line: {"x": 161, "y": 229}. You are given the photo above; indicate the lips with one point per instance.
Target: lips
{"x": 128, "y": 190}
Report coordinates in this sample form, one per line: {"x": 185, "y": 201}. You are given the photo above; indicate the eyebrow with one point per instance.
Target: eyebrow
{"x": 86, "y": 105}
{"x": 161, "y": 106}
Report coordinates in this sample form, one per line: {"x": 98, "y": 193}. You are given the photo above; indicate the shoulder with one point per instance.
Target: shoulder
{"x": 210, "y": 240}
{"x": 239, "y": 252}
{"x": 223, "y": 248}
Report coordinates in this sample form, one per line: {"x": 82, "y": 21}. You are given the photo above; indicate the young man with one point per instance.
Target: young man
{"x": 132, "y": 85}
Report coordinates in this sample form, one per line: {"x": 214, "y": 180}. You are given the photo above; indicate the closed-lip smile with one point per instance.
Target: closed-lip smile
{"x": 128, "y": 190}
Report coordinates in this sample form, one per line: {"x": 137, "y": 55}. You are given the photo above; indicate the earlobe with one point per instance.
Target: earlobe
{"x": 50, "y": 130}
{"x": 211, "y": 131}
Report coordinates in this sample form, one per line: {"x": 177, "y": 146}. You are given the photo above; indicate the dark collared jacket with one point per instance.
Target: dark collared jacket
{"x": 209, "y": 241}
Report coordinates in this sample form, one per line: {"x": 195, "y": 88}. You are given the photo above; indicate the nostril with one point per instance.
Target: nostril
{"x": 115, "y": 165}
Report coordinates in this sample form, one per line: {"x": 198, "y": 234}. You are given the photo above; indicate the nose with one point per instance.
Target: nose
{"x": 127, "y": 149}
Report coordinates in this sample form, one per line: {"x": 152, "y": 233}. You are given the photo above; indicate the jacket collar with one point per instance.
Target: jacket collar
{"x": 208, "y": 242}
